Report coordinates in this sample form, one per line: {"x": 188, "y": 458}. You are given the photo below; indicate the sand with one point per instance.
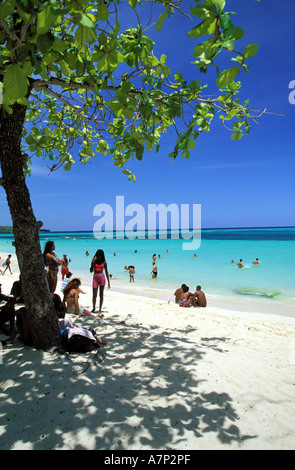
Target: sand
{"x": 172, "y": 379}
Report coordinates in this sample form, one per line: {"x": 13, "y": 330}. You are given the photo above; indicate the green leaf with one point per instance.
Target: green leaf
{"x": 178, "y": 77}
{"x": 238, "y": 33}
{"x": 161, "y": 20}
{"x": 26, "y": 5}
{"x": 132, "y": 3}
{"x": 227, "y": 25}
{"x": 44, "y": 43}
{"x": 250, "y": 50}
{"x": 102, "y": 11}
{"x": 15, "y": 82}
{"x": 47, "y": 20}
{"x": 220, "y": 4}
{"x": 7, "y": 8}
{"x": 237, "y": 135}
{"x": 191, "y": 144}
{"x": 205, "y": 27}
{"x": 86, "y": 21}
{"x": 227, "y": 77}
{"x": 84, "y": 35}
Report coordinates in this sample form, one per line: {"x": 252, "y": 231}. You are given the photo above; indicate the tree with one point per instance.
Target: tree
{"x": 71, "y": 76}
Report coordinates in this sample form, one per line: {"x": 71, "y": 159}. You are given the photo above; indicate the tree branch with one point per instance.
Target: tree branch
{"x": 43, "y": 84}
{"x": 5, "y": 29}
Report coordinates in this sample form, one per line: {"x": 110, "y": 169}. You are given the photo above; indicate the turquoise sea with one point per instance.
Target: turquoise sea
{"x": 273, "y": 281}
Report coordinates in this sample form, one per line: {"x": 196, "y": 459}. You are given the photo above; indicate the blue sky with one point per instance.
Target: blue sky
{"x": 238, "y": 184}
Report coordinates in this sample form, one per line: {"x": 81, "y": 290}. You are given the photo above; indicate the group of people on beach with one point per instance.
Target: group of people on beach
{"x": 154, "y": 272}
{"x": 185, "y": 298}
{"x": 72, "y": 289}
{"x": 10, "y": 313}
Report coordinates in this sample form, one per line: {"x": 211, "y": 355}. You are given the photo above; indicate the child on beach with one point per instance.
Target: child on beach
{"x": 66, "y": 280}
{"x": 64, "y": 266}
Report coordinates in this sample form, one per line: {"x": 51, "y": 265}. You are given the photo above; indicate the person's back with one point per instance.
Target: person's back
{"x": 200, "y": 297}
{"x": 178, "y": 292}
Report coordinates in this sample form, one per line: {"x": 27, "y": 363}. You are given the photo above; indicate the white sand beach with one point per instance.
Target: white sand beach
{"x": 172, "y": 379}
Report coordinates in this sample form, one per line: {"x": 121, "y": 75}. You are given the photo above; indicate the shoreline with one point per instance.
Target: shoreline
{"x": 244, "y": 304}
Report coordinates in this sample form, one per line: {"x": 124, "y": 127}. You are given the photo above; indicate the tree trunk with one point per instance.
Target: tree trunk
{"x": 39, "y": 305}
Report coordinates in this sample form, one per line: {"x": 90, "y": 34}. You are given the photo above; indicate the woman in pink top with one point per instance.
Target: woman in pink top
{"x": 98, "y": 265}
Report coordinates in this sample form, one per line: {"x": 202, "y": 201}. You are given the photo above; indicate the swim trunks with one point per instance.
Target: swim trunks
{"x": 182, "y": 303}
{"x": 64, "y": 271}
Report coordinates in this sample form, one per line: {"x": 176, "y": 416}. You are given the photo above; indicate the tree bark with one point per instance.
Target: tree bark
{"x": 39, "y": 305}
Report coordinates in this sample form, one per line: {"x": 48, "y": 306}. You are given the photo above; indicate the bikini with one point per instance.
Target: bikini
{"x": 98, "y": 268}
{"x": 73, "y": 309}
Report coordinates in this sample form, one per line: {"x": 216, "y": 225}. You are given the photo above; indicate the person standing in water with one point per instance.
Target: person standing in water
{"x": 98, "y": 265}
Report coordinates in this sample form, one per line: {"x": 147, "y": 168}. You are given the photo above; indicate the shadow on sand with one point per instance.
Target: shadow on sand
{"x": 144, "y": 395}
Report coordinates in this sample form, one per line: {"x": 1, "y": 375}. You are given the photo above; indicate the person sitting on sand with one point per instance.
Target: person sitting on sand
{"x": 3, "y": 296}
{"x": 17, "y": 291}
{"x": 178, "y": 292}
{"x": 185, "y": 298}
{"x": 71, "y": 299}
{"x": 240, "y": 264}
{"x": 199, "y": 298}
{"x": 7, "y": 314}
{"x": 66, "y": 280}
{"x": 58, "y": 305}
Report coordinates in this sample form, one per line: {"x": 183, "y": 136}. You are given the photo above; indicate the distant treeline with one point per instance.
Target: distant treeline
{"x": 5, "y": 229}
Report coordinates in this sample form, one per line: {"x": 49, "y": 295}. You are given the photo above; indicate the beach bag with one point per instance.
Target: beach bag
{"x": 78, "y": 340}
{"x": 79, "y": 344}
